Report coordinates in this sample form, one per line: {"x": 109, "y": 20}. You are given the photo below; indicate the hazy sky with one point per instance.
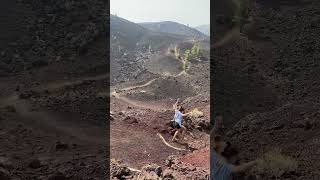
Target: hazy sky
{"x": 192, "y": 12}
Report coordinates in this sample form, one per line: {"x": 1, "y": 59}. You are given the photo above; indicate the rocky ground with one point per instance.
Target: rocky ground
{"x": 52, "y": 68}
{"x": 267, "y": 85}
{"x": 141, "y": 109}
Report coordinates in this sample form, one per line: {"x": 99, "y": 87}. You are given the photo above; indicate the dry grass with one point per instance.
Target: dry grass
{"x": 196, "y": 113}
{"x": 275, "y": 163}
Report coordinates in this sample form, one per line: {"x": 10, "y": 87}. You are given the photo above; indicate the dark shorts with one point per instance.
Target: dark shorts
{"x": 176, "y": 125}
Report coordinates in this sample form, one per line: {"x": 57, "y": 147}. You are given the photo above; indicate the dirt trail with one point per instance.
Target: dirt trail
{"x": 169, "y": 145}
{"x": 61, "y": 84}
{"x": 140, "y": 104}
{"x": 137, "y": 146}
{"x": 54, "y": 122}
{"x": 153, "y": 106}
{"x": 50, "y": 122}
{"x": 139, "y": 86}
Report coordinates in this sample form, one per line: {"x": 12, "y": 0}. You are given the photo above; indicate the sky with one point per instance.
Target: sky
{"x": 192, "y": 12}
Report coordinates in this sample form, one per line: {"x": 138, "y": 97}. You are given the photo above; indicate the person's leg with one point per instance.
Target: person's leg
{"x": 183, "y": 131}
{"x": 175, "y": 135}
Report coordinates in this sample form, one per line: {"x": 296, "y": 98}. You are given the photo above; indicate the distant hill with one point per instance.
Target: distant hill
{"x": 127, "y": 35}
{"x": 174, "y": 28}
{"x": 205, "y": 29}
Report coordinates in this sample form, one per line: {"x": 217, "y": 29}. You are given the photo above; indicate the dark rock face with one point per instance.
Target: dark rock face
{"x": 44, "y": 42}
{"x": 266, "y": 85}
{"x": 46, "y": 30}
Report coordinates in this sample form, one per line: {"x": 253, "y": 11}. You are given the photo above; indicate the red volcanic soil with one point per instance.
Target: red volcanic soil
{"x": 200, "y": 158}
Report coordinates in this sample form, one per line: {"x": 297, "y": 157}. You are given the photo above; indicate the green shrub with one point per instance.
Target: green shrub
{"x": 186, "y": 58}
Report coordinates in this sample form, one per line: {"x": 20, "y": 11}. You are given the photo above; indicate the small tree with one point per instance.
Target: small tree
{"x": 198, "y": 50}
{"x": 187, "y": 55}
{"x": 195, "y": 51}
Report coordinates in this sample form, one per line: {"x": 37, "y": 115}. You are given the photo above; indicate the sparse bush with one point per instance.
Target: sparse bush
{"x": 196, "y": 113}
{"x": 186, "y": 58}
{"x": 177, "y": 52}
{"x": 171, "y": 51}
{"x": 275, "y": 163}
{"x": 195, "y": 52}
{"x": 189, "y": 54}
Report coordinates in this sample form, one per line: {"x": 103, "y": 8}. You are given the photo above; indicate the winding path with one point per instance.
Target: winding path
{"x": 52, "y": 122}
{"x": 140, "y": 103}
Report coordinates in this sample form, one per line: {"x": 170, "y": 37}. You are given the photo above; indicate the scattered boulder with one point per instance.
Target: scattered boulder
{"x": 4, "y": 174}
{"x": 153, "y": 168}
{"x": 168, "y": 174}
{"x": 148, "y": 176}
{"x": 130, "y": 120}
{"x": 57, "y": 176}
{"x": 277, "y": 127}
{"x": 169, "y": 161}
{"x": 5, "y": 163}
{"x": 61, "y": 146}
{"x": 117, "y": 170}
{"x": 34, "y": 164}
{"x": 121, "y": 113}
{"x": 11, "y": 109}
{"x": 39, "y": 63}
{"x": 27, "y": 94}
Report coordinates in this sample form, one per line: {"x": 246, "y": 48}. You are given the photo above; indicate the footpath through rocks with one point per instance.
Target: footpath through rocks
{"x": 141, "y": 132}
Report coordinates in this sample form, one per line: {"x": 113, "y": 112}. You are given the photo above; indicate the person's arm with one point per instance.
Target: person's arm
{"x": 186, "y": 114}
{"x": 243, "y": 167}
{"x": 174, "y": 106}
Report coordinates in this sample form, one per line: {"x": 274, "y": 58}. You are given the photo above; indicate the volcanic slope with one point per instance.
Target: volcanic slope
{"x": 52, "y": 121}
{"x": 142, "y": 110}
{"x": 278, "y": 62}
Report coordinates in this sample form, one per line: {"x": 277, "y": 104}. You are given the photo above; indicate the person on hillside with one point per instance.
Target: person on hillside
{"x": 178, "y": 120}
{"x": 218, "y": 125}
{"x": 176, "y": 104}
{"x": 221, "y": 169}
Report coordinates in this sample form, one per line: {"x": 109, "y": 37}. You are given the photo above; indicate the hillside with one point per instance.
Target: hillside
{"x": 205, "y": 29}
{"x": 266, "y": 85}
{"x": 126, "y": 33}
{"x": 174, "y": 28}
{"x": 146, "y": 78}
{"x": 52, "y": 66}
{"x": 128, "y": 36}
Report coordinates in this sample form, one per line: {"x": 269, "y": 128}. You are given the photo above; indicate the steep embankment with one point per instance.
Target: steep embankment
{"x": 274, "y": 102}
{"x": 52, "y": 121}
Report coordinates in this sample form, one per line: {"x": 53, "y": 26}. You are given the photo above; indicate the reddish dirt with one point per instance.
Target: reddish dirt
{"x": 135, "y": 142}
{"x": 200, "y": 158}
{"x": 139, "y": 138}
